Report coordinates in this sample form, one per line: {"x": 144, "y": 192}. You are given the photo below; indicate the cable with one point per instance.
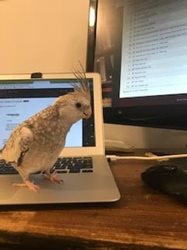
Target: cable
{"x": 146, "y": 158}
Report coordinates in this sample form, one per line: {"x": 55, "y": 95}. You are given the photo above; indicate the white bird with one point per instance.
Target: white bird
{"x": 36, "y": 143}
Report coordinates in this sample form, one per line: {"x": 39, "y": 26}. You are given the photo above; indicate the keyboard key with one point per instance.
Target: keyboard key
{"x": 87, "y": 170}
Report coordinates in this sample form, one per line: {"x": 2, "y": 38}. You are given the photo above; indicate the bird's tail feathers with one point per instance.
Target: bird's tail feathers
{"x": 1, "y": 154}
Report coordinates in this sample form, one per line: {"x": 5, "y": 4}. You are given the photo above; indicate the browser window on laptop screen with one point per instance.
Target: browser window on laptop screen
{"x": 20, "y": 99}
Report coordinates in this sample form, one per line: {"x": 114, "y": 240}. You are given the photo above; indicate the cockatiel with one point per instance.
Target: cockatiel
{"x": 36, "y": 143}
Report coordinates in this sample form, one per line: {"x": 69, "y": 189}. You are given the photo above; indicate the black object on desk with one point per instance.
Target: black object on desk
{"x": 167, "y": 178}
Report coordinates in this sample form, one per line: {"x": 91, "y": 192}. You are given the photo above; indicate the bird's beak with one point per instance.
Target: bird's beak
{"x": 87, "y": 113}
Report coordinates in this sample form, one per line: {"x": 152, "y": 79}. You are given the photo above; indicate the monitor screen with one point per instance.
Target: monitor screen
{"x": 140, "y": 51}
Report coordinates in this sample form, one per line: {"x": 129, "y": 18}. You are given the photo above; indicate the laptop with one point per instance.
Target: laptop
{"x": 22, "y": 96}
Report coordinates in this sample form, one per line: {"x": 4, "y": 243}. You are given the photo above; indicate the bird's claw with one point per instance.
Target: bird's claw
{"x": 28, "y": 184}
{"x": 54, "y": 178}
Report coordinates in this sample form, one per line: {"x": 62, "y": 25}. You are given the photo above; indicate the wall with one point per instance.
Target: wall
{"x": 42, "y": 35}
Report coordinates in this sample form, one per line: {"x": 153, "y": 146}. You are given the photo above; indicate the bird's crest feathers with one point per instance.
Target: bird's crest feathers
{"x": 82, "y": 83}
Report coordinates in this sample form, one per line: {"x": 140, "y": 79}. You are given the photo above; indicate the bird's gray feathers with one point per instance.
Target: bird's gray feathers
{"x": 36, "y": 143}
{"x": 18, "y": 143}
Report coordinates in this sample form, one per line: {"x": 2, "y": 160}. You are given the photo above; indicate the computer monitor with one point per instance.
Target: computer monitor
{"x": 140, "y": 49}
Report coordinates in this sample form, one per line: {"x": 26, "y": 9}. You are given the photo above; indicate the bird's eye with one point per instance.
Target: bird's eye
{"x": 78, "y": 105}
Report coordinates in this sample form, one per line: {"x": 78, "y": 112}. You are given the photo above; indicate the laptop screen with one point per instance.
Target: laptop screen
{"x": 20, "y": 99}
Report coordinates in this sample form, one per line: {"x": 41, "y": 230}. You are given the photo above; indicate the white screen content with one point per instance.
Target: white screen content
{"x": 154, "y": 48}
{"x": 13, "y": 111}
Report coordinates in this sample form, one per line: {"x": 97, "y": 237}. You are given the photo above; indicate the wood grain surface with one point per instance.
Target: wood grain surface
{"x": 142, "y": 219}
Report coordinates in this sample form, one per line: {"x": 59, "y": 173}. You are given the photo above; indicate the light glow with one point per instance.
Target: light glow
{"x": 92, "y": 17}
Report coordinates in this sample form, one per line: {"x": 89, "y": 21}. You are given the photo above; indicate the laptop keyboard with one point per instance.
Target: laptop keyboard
{"x": 74, "y": 165}
{"x": 6, "y": 168}
{"x": 62, "y": 165}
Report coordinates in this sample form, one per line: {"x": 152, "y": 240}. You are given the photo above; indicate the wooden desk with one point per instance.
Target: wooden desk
{"x": 142, "y": 219}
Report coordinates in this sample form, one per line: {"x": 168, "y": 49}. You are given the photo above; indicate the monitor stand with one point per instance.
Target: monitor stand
{"x": 125, "y": 138}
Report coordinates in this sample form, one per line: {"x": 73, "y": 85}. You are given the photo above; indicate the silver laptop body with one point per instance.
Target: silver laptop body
{"x": 21, "y": 97}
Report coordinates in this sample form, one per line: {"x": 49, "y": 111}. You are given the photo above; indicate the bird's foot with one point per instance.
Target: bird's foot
{"x": 54, "y": 178}
{"x": 28, "y": 184}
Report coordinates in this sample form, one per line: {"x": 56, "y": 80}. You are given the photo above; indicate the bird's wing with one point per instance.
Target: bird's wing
{"x": 17, "y": 145}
